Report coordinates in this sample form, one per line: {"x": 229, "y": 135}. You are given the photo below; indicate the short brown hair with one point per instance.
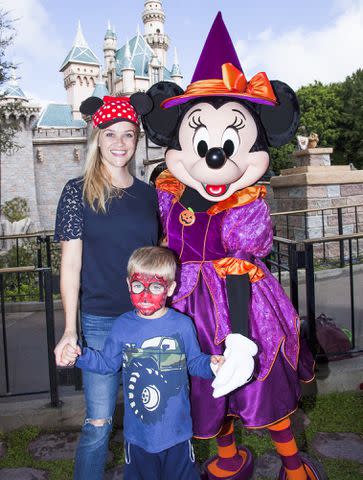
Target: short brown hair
{"x": 154, "y": 261}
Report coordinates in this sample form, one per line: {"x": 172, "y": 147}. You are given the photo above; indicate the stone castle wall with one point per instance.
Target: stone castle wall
{"x": 59, "y": 155}
{"x": 18, "y": 174}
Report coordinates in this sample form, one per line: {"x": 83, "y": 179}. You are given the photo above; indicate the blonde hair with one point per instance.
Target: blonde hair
{"x": 153, "y": 261}
{"x": 97, "y": 182}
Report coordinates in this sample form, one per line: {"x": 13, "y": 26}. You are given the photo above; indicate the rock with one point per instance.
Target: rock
{"x": 57, "y": 446}
{"x": 345, "y": 446}
{"x": 267, "y": 466}
{"x": 22, "y": 474}
{"x": 54, "y": 446}
{"x": 2, "y": 449}
{"x": 115, "y": 473}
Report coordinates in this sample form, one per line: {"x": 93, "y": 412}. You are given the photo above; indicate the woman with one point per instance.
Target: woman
{"x": 101, "y": 218}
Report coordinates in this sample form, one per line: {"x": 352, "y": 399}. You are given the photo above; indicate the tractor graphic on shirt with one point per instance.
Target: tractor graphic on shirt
{"x": 153, "y": 373}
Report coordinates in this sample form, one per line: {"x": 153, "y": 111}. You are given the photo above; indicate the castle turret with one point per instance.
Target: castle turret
{"x": 100, "y": 89}
{"x": 12, "y": 88}
{"x": 154, "y": 17}
{"x": 128, "y": 72}
{"x": 176, "y": 75}
{"x": 80, "y": 69}
{"x": 109, "y": 47}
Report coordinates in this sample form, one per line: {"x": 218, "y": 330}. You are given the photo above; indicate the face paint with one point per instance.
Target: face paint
{"x": 148, "y": 293}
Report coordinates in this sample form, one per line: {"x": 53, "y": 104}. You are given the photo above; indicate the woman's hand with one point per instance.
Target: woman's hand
{"x": 70, "y": 354}
{"x": 61, "y": 359}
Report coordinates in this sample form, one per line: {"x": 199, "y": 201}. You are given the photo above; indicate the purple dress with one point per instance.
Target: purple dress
{"x": 241, "y": 232}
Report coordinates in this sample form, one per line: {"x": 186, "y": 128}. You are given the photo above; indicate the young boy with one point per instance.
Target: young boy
{"x": 156, "y": 347}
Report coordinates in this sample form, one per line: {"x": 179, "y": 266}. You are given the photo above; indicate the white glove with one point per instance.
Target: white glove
{"x": 238, "y": 366}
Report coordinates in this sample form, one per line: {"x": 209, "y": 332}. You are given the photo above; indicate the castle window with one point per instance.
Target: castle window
{"x": 158, "y": 30}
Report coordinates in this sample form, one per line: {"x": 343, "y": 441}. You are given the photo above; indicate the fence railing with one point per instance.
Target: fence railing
{"x": 30, "y": 249}
{"x": 297, "y": 261}
{"x": 297, "y": 258}
{"x": 47, "y": 296}
{"x": 312, "y": 223}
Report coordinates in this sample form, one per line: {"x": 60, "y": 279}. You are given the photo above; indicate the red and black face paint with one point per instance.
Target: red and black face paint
{"x": 148, "y": 293}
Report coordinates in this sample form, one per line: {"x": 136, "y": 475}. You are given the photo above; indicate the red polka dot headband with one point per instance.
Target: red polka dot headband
{"x": 114, "y": 109}
{"x": 109, "y": 110}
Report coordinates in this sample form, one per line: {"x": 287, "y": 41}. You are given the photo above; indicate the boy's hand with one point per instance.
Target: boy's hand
{"x": 69, "y": 355}
{"x": 216, "y": 361}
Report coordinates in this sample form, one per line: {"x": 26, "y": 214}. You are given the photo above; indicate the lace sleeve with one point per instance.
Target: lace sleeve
{"x": 69, "y": 220}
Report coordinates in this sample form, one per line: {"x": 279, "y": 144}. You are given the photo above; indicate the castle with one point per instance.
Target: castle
{"x": 54, "y": 140}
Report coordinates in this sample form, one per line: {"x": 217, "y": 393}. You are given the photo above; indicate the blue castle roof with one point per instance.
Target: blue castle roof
{"x": 80, "y": 51}
{"x": 59, "y": 116}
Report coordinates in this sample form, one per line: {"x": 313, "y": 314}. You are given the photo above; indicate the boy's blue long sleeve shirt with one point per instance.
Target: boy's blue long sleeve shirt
{"x": 156, "y": 356}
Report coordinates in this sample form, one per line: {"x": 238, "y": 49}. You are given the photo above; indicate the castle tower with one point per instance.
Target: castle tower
{"x": 81, "y": 70}
{"x": 18, "y": 177}
{"x": 128, "y": 72}
{"x": 176, "y": 75}
{"x": 153, "y": 17}
{"x": 109, "y": 47}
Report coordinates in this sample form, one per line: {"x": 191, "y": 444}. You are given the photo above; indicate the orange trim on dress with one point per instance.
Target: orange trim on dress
{"x": 168, "y": 183}
{"x": 235, "y": 266}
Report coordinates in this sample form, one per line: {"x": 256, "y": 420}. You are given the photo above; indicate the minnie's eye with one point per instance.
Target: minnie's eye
{"x": 230, "y": 142}
{"x": 201, "y": 141}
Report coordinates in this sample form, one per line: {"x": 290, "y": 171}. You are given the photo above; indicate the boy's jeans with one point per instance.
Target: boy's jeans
{"x": 101, "y": 395}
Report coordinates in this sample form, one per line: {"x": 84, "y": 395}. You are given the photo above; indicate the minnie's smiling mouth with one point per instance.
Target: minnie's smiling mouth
{"x": 216, "y": 190}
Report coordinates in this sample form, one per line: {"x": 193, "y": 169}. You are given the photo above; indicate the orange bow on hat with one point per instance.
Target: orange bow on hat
{"x": 258, "y": 86}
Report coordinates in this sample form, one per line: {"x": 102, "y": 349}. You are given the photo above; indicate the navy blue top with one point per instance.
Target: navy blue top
{"x": 156, "y": 356}
{"x": 130, "y": 222}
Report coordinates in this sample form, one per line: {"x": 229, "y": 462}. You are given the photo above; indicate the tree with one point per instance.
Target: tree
{"x": 321, "y": 109}
{"x": 351, "y": 120}
{"x": 10, "y": 109}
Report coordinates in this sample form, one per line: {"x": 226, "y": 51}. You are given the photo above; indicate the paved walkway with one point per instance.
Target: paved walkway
{"x": 61, "y": 445}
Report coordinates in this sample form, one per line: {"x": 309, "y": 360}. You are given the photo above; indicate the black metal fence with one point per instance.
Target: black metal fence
{"x": 300, "y": 225}
{"x": 30, "y": 249}
{"x": 297, "y": 266}
{"x": 47, "y": 301}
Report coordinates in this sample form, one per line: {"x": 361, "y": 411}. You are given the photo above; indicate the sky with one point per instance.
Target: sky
{"x": 297, "y": 42}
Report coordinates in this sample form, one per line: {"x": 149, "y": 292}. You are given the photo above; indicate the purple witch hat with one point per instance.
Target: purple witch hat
{"x": 219, "y": 73}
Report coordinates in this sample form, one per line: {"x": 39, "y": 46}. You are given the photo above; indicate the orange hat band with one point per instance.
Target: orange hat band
{"x": 233, "y": 84}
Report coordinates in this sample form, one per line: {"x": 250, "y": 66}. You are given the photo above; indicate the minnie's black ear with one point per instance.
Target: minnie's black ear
{"x": 161, "y": 124}
{"x": 90, "y": 105}
{"x": 281, "y": 121}
{"x": 141, "y": 102}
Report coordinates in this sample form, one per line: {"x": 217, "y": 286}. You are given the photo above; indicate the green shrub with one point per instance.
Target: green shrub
{"x": 15, "y": 209}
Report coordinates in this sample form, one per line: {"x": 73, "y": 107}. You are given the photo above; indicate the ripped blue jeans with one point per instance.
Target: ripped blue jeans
{"x": 100, "y": 394}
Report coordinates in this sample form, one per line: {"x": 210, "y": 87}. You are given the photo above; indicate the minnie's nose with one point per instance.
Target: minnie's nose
{"x": 215, "y": 157}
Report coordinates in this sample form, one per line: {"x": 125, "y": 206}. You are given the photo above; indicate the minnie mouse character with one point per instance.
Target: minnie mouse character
{"x": 217, "y": 222}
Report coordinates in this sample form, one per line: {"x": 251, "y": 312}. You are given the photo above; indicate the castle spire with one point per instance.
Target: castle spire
{"x": 153, "y": 17}
{"x": 80, "y": 69}
{"x": 176, "y": 74}
{"x": 79, "y": 40}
